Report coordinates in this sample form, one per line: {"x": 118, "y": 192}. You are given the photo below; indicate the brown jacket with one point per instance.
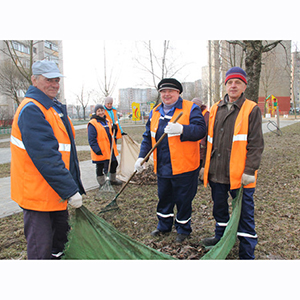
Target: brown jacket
{"x": 222, "y": 143}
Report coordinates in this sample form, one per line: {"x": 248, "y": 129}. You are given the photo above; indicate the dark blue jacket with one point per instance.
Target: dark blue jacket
{"x": 42, "y": 146}
{"x": 195, "y": 131}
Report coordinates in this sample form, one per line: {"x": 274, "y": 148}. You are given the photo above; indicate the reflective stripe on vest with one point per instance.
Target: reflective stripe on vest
{"x": 19, "y": 143}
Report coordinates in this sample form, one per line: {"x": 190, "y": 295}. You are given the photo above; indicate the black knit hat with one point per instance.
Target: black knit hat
{"x": 170, "y": 84}
{"x": 98, "y": 106}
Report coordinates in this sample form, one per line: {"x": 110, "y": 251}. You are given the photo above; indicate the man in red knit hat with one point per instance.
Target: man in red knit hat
{"x": 234, "y": 149}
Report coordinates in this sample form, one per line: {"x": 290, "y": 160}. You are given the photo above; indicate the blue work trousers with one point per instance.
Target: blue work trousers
{"x": 246, "y": 229}
{"x": 179, "y": 191}
{"x": 45, "y": 232}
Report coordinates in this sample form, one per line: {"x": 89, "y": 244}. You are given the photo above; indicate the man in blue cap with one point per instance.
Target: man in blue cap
{"x": 45, "y": 173}
{"x": 234, "y": 149}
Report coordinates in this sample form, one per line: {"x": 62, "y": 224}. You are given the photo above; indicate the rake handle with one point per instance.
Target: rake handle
{"x": 111, "y": 150}
{"x": 146, "y": 157}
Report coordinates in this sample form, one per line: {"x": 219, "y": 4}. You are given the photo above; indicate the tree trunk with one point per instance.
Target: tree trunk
{"x": 253, "y": 68}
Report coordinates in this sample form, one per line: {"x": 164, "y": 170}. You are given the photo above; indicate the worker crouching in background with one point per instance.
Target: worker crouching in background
{"x": 176, "y": 159}
{"x": 100, "y": 140}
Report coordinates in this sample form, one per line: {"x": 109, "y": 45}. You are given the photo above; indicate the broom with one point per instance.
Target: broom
{"x": 113, "y": 204}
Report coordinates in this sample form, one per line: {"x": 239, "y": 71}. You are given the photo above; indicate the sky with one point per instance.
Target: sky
{"x": 84, "y": 63}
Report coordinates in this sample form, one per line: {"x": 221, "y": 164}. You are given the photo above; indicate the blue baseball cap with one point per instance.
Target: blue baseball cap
{"x": 46, "y": 68}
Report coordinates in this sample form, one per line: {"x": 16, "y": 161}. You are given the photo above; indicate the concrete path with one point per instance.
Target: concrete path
{"x": 87, "y": 169}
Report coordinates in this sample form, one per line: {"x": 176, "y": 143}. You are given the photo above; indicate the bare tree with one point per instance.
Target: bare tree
{"x": 25, "y": 69}
{"x": 83, "y": 99}
{"x": 16, "y": 72}
{"x": 158, "y": 64}
{"x": 12, "y": 82}
{"x": 108, "y": 85}
{"x": 5, "y": 116}
{"x": 253, "y": 50}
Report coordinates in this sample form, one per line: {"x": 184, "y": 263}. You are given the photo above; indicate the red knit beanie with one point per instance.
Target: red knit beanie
{"x": 236, "y": 72}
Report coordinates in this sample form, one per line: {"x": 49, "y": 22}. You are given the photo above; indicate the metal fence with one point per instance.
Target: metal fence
{"x": 5, "y": 130}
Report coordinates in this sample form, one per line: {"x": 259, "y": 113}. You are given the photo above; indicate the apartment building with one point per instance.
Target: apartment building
{"x": 24, "y": 52}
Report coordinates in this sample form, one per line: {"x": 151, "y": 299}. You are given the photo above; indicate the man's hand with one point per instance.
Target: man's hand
{"x": 76, "y": 200}
{"x": 246, "y": 179}
{"x": 174, "y": 128}
{"x": 138, "y": 167}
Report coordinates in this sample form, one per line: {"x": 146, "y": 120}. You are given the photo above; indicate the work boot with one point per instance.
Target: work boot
{"x": 181, "y": 237}
{"x": 101, "y": 180}
{"x": 113, "y": 179}
{"x": 156, "y": 232}
{"x": 209, "y": 242}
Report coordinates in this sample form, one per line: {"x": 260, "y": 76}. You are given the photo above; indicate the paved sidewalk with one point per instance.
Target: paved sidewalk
{"x": 87, "y": 169}
{"x": 9, "y": 207}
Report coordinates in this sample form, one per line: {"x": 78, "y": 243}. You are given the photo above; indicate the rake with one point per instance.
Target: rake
{"x": 106, "y": 187}
{"x": 113, "y": 204}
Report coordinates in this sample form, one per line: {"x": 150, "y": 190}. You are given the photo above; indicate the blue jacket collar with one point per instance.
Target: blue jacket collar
{"x": 39, "y": 96}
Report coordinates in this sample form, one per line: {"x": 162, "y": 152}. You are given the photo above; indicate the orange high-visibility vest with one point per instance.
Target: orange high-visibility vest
{"x": 185, "y": 156}
{"x": 28, "y": 187}
{"x": 118, "y": 135}
{"x": 239, "y": 143}
{"x": 204, "y": 112}
{"x": 103, "y": 142}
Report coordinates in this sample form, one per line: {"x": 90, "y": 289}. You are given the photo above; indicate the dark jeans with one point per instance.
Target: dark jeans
{"x": 45, "y": 232}
{"x": 246, "y": 229}
{"x": 179, "y": 191}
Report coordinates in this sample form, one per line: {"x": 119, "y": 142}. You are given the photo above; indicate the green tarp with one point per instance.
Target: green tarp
{"x": 91, "y": 237}
{"x": 223, "y": 247}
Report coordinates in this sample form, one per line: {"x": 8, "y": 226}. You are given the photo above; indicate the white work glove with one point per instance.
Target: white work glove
{"x": 174, "y": 128}
{"x": 201, "y": 174}
{"x": 246, "y": 179}
{"x": 138, "y": 167}
{"x": 76, "y": 200}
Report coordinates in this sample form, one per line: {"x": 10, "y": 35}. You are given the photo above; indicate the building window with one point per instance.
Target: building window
{"x": 51, "y": 46}
{"x": 20, "y": 47}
